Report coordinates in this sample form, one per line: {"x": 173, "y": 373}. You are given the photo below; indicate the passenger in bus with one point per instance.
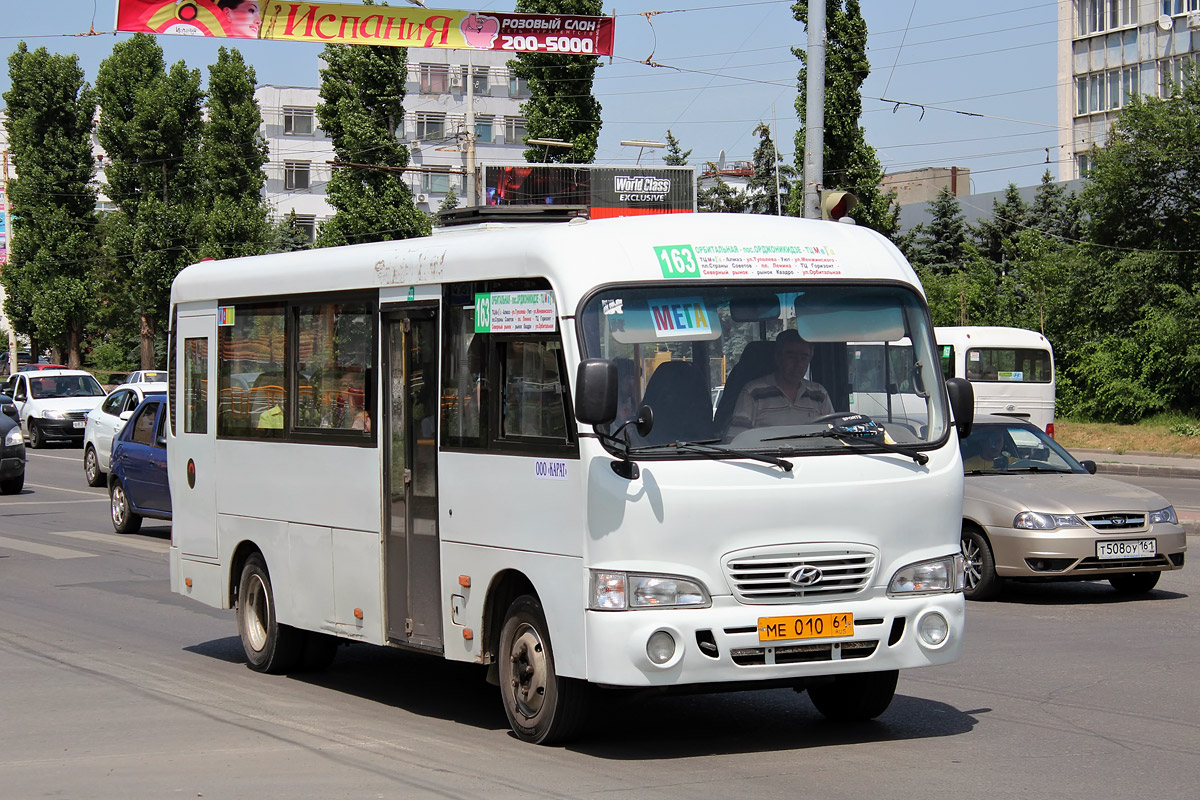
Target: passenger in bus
{"x": 990, "y": 373}
{"x": 785, "y": 397}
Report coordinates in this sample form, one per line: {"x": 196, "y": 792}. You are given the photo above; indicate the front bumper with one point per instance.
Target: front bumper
{"x": 59, "y": 428}
{"x": 720, "y": 644}
{"x": 12, "y": 462}
{"x": 1071, "y": 552}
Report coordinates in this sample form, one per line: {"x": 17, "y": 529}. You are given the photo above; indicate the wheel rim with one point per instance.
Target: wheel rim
{"x": 529, "y": 670}
{"x": 118, "y": 506}
{"x": 90, "y": 467}
{"x": 254, "y": 612}
{"x": 973, "y": 561}
{"x": 35, "y": 436}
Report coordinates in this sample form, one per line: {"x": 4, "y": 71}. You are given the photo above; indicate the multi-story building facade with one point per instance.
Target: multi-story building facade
{"x": 439, "y": 95}
{"x": 1108, "y": 51}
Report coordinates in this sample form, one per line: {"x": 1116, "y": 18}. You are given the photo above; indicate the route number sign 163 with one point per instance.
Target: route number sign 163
{"x": 678, "y": 261}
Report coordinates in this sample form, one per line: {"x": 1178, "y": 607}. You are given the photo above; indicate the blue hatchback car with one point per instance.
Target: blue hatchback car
{"x": 137, "y": 478}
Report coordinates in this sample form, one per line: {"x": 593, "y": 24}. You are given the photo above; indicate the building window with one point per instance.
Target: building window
{"x": 483, "y": 128}
{"x": 295, "y": 174}
{"x": 308, "y": 224}
{"x": 1084, "y": 163}
{"x": 514, "y": 130}
{"x": 435, "y": 78}
{"x": 1096, "y": 16}
{"x": 439, "y": 180}
{"x": 430, "y": 125}
{"x": 1173, "y": 7}
{"x": 298, "y": 121}
{"x": 517, "y": 87}
{"x": 1172, "y": 75}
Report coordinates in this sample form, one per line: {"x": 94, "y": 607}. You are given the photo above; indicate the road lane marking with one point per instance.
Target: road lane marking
{"x": 151, "y": 545}
{"x": 61, "y": 489}
{"x": 48, "y": 550}
{"x": 5, "y": 503}
{"x": 57, "y": 458}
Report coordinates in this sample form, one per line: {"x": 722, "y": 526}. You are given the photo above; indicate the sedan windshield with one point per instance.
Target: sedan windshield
{"x": 1009, "y": 448}
{"x": 769, "y": 368}
{"x": 65, "y": 386}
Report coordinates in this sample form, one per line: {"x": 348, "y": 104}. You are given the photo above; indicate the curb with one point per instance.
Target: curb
{"x": 1158, "y": 470}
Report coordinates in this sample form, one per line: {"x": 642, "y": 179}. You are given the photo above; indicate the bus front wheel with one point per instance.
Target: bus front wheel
{"x": 856, "y": 697}
{"x": 270, "y": 647}
{"x": 542, "y": 707}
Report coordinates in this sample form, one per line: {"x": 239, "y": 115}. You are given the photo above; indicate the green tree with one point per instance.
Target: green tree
{"x": 995, "y": 235}
{"x": 1055, "y": 211}
{"x": 770, "y": 179}
{"x": 150, "y": 128}
{"x": 233, "y": 152}
{"x": 941, "y": 243}
{"x": 54, "y": 243}
{"x": 287, "y": 236}
{"x": 720, "y": 197}
{"x": 850, "y": 163}
{"x": 450, "y": 201}
{"x": 676, "y": 156}
{"x": 561, "y": 104}
{"x": 362, "y": 111}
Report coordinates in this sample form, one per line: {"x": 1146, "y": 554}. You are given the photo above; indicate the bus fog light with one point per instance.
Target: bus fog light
{"x": 933, "y": 629}
{"x": 660, "y": 648}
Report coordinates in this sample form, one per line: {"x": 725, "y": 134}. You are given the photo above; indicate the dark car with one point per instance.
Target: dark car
{"x": 137, "y": 478}
{"x": 12, "y": 448}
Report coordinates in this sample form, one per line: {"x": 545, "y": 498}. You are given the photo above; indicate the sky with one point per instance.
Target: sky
{"x": 952, "y": 83}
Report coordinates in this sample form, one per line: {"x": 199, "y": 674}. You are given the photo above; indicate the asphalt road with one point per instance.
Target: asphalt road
{"x": 112, "y": 687}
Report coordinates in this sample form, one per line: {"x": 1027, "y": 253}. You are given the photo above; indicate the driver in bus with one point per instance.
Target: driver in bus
{"x": 785, "y": 397}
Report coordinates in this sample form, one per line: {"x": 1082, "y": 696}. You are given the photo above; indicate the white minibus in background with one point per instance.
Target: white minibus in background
{"x": 1010, "y": 369}
{"x": 498, "y": 445}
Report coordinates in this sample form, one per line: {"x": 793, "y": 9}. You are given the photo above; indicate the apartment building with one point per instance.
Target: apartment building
{"x": 1108, "y": 51}
{"x": 441, "y": 86}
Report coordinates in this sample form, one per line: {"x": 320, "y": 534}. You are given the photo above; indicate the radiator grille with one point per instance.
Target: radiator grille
{"x": 834, "y": 571}
{"x": 1117, "y": 522}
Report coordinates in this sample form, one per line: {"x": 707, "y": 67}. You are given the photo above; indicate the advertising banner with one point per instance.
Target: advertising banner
{"x": 344, "y": 23}
{"x": 3, "y": 228}
{"x": 606, "y": 191}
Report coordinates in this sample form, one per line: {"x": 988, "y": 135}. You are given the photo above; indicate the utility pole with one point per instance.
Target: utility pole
{"x": 471, "y": 187}
{"x": 814, "y": 111}
{"x": 8, "y": 236}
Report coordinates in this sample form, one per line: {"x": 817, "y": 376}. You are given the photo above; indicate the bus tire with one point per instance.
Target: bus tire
{"x": 124, "y": 518}
{"x": 981, "y": 581}
{"x": 269, "y": 646}
{"x": 855, "y": 698}
{"x": 542, "y": 707}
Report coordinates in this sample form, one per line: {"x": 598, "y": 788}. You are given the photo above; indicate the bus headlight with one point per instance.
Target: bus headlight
{"x": 615, "y": 591}
{"x": 938, "y": 576}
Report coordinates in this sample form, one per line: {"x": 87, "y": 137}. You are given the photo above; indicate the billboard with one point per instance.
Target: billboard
{"x": 606, "y": 191}
{"x": 344, "y": 23}
{"x": 3, "y": 228}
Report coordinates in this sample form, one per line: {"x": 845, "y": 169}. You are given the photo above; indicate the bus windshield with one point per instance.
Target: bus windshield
{"x": 768, "y": 367}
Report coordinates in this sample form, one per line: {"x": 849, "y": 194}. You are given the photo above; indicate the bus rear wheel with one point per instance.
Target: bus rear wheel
{"x": 270, "y": 647}
{"x": 542, "y": 707}
{"x": 855, "y": 698}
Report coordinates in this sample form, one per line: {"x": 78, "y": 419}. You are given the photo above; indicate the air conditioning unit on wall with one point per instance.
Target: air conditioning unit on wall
{"x": 1194, "y": 21}
{"x": 422, "y": 198}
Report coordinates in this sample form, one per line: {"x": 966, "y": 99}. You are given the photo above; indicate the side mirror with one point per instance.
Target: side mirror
{"x": 1090, "y": 466}
{"x": 11, "y": 410}
{"x": 126, "y": 415}
{"x": 596, "y": 391}
{"x": 962, "y": 404}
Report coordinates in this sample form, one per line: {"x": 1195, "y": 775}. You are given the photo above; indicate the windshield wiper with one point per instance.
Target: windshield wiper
{"x": 1036, "y": 468}
{"x": 864, "y": 432}
{"x": 712, "y": 449}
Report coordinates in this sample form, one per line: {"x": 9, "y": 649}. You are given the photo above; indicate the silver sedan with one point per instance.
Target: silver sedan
{"x": 1032, "y": 512}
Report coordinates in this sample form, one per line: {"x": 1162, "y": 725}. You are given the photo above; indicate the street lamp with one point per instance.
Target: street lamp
{"x": 548, "y": 143}
{"x": 642, "y": 144}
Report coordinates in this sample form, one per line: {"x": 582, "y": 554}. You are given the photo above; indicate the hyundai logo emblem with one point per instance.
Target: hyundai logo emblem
{"x": 806, "y": 575}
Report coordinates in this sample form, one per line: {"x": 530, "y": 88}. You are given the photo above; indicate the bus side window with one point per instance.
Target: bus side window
{"x": 533, "y": 402}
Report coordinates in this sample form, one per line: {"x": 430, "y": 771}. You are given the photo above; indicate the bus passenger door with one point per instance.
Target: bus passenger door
{"x": 192, "y": 442}
{"x": 412, "y": 544}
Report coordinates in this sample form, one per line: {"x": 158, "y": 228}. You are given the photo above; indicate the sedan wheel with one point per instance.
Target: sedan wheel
{"x": 36, "y": 438}
{"x": 981, "y": 582}
{"x": 123, "y": 518}
{"x": 91, "y": 467}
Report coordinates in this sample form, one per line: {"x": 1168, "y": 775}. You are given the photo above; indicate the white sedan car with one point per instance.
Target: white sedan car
{"x": 105, "y": 421}
{"x": 143, "y": 376}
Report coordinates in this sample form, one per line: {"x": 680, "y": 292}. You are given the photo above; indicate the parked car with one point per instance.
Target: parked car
{"x": 53, "y": 404}
{"x": 137, "y": 480}
{"x": 23, "y": 357}
{"x": 105, "y": 421}
{"x": 38, "y": 367}
{"x": 12, "y": 450}
{"x": 146, "y": 376}
{"x": 1032, "y": 512}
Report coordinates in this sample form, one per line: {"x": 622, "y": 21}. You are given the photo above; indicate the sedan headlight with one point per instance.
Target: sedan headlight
{"x": 53, "y": 413}
{"x": 938, "y": 576}
{"x": 13, "y": 437}
{"x": 1164, "y": 515}
{"x": 1033, "y": 521}
{"x": 615, "y": 591}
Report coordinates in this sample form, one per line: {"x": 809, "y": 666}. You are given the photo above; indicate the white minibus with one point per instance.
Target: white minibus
{"x": 498, "y": 445}
{"x": 1011, "y": 370}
